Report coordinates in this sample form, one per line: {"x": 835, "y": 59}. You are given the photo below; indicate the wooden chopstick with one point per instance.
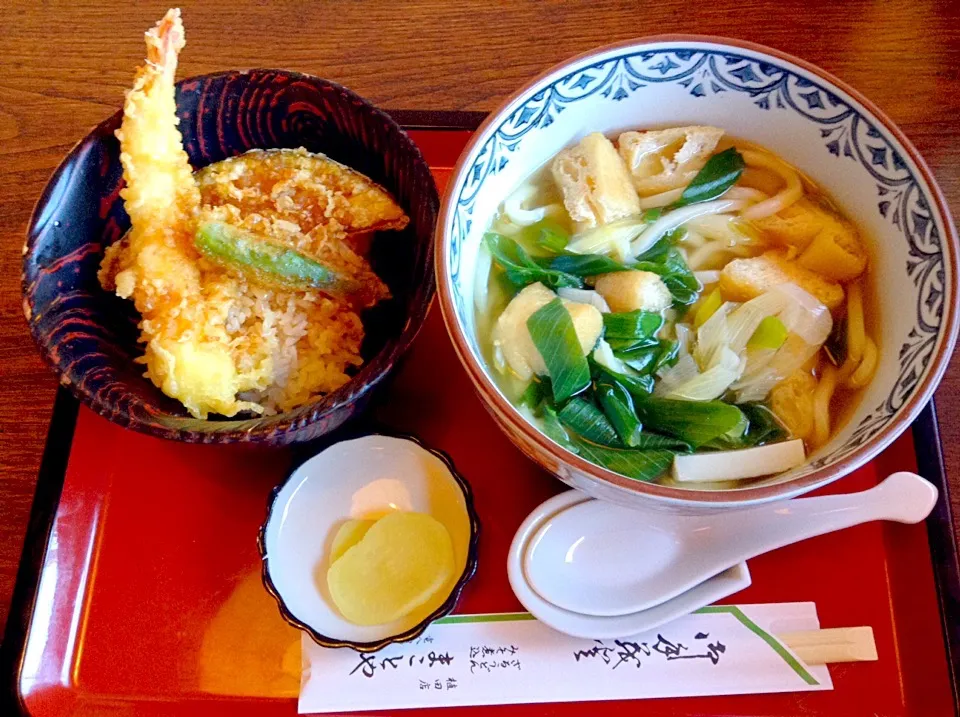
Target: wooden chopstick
{"x": 842, "y": 644}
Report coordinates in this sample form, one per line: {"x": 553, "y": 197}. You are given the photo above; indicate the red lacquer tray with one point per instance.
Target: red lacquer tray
{"x": 140, "y": 594}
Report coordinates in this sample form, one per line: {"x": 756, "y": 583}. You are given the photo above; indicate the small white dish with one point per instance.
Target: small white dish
{"x": 597, "y": 558}
{"x": 361, "y": 478}
{"x": 591, "y": 627}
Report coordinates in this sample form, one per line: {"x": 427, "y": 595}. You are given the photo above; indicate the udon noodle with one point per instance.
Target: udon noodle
{"x": 669, "y": 292}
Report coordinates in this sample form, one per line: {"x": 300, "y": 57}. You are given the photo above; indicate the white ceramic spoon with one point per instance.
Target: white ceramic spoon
{"x": 597, "y": 628}
{"x": 597, "y": 558}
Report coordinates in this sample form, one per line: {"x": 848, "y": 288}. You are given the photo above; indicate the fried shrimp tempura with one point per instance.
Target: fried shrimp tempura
{"x": 218, "y": 337}
{"x": 156, "y": 264}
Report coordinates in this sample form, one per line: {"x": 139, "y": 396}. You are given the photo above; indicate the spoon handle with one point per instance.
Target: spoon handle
{"x": 902, "y": 497}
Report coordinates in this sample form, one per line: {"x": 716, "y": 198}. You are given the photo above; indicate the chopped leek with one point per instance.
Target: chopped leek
{"x": 613, "y": 238}
{"x": 707, "y": 308}
{"x": 638, "y": 386}
{"x": 585, "y": 296}
{"x": 535, "y": 392}
{"x": 720, "y": 173}
{"x": 618, "y": 406}
{"x": 632, "y": 325}
{"x": 770, "y": 334}
{"x": 629, "y": 346}
{"x": 554, "y": 429}
{"x": 583, "y": 265}
{"x": 764, "y": 426}
{"x": 586, "y": 420}
{"x": 702, "y": 386}
{"x": 555, "y": 338}
{"x": 552, "y": 237}
{"x": 678, "y": 277}
{"x": 696, "y": 422}
{"x": 605, "y": 356}
{"x": 645, "y": 465}
{"x": 520, "y": 269}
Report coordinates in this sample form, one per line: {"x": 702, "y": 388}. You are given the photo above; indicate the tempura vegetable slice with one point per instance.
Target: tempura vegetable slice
{"x": 403, "y": 561}
{"x": 269, "y": 263}
{"x": 155, "y": 264}
{"x": 283, "y": 183}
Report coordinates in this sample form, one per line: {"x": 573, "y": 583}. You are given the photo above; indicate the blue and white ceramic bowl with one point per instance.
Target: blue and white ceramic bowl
{"x": 810, "y": 118}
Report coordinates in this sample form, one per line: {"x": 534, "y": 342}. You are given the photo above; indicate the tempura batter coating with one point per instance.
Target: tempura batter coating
{"x": 217, "y": 340}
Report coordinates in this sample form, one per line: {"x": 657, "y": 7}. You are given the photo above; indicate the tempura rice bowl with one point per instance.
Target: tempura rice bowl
{"x": 815, "y": 122}
{"x": 90, "y": 337}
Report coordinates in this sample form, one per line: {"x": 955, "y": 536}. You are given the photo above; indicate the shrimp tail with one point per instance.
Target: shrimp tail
{"x": 161, "y": 193}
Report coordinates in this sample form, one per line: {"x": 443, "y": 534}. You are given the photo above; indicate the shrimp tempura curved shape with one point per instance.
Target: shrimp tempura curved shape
{"x": 156, "y": 263}
{"x": 161, "y": 195}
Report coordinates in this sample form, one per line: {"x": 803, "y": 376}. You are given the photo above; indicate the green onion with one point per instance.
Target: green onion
{"x": 638, "y": 386}
{"x": 720, "y": 173}
{"x": 770, "y": 334}
{"x": 618, "y": 406}
{"x": 695, "y": 422}
{"x": 651, "y": 215}
{"x": 534, "y": 393}
{"x": 764, "y": 426}
{"x": 584, "y": 264}
{"x": 246, "y": 251}
{"x": 555, "y": 338}
{"x": 658, "y": 252}
{"x": 554, "y": 429}
{"x": 644, "y": 465}
{"x": 669, "y": 353}
{"x": 552, "y": 237}
{"x": 631, "y": 325}
{"x": 648, "y": 439}
{"x": 678, "y": 277}
{"x": 520, "y": 269}
{"x": 649, "y": 355}
{"x": 707, "y": 308}
{"x": 632, "y": 346}
{"x": 585, "y": 419}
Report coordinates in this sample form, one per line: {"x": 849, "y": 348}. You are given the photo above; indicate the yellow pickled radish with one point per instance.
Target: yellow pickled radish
{"x": 401, "y": 562}
{"x": 350, "y": 534}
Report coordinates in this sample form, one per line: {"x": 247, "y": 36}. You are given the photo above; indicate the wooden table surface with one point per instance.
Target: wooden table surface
{"x": 64, "y": 68}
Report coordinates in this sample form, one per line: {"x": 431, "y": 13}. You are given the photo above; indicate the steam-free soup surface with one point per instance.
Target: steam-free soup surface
{"x": 666, "y": 293}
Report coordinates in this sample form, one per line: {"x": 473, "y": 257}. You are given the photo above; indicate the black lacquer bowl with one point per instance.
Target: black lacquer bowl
{"x": 90, "y": 336}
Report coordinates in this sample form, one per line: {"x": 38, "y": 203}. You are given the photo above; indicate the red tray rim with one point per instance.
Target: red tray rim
{"x": 941, "y": 527}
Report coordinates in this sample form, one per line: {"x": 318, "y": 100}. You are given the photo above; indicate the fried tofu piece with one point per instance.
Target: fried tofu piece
{"x": 791, "y": 401}
{"x": 745, "y": 279}
{"x": 594, "y": 182}
{"x": 666, "y": 159}
{"x": 634, "y": 290}
{"x": 836, "y": 252}
{"x": 797, "y": 225}
{"x": 512, "y": 337}
{"x": 826, "y": 242}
